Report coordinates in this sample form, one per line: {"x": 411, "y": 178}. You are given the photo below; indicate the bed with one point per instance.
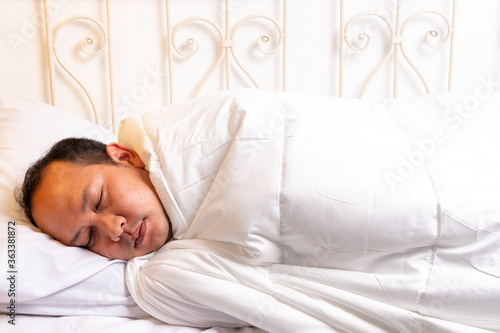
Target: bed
{"x": 78, "y": 68}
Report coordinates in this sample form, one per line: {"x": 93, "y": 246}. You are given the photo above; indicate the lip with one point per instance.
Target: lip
{"x": 140, "y": 234}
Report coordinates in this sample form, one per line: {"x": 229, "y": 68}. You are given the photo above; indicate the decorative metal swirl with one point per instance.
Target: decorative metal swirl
{"x": 225, "y": 45}
{"x": 363, "y": 35}
{"x": 397, "y": 40}
{"x": 85, "y": 46}
{"x": 430, "y": 34}
{"x": 260, "y": 41}
{"x": 366, "y": 38}
{"x": 193, "y": 42}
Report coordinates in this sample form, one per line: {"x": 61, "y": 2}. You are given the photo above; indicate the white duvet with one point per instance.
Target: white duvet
{"x": 298, "y": 213}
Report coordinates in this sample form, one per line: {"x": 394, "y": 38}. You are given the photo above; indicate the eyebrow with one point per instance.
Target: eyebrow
{"x": 85, "y": 199}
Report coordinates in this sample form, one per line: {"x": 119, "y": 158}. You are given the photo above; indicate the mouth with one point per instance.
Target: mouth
{"x": 140, "y": 233}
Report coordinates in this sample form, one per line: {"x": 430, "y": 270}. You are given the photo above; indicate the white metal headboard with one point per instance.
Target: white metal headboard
{"x": 397, "y": 45}
{"x": 388, "y": 27}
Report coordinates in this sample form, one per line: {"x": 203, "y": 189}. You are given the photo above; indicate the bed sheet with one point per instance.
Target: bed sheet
{"x": 89, "y": 324}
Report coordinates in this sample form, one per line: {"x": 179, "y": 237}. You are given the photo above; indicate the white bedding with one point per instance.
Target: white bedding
{"x": 50, "y": 278}
{"x": 102, "y": 324}
{"x": 297, "y": 212}
{"x": 56, "y": 288}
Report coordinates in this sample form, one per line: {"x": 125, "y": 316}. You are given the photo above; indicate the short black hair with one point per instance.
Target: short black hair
{"x": 78, "y": 151}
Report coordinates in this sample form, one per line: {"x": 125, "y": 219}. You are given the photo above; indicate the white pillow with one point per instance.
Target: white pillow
{"x": 48, "y": 277}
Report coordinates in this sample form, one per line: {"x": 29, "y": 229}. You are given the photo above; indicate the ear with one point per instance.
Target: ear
{"x": 123, "y": 155}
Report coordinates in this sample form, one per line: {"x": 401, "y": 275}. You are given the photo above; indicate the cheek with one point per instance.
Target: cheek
{"x": 127, "y": 198}
{"x": 137, "y": 191}
{"x": 111, "y": 251}
{"x": 63, "y": 232}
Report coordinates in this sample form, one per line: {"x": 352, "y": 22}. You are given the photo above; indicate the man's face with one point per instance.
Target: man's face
{"x": 111, "y": 210}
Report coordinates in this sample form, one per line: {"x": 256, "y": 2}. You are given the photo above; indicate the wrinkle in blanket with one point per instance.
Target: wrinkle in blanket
{"x": 301, "y": 226}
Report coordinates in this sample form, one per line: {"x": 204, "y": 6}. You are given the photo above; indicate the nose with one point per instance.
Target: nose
{"x": 113, "y": 226}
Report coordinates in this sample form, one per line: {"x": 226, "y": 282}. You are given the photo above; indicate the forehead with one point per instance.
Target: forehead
{"x": 58, "y": 198}
{"x": 61, "y": 178}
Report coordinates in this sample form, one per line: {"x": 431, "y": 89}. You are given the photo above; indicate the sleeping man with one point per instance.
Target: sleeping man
{"x": 78, "y": 195}
{"x": 290, "y": 213}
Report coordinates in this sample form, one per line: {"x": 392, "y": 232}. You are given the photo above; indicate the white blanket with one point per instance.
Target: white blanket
{"x": 294, "y": 213}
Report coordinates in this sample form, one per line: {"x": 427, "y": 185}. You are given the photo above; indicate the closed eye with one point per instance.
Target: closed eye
{"x": 90, "y": 239}
{"x": 99, "y": 201}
